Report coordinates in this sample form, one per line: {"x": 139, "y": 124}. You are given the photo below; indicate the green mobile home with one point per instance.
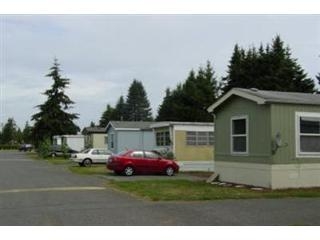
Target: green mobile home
{"x": 267, "y": 138}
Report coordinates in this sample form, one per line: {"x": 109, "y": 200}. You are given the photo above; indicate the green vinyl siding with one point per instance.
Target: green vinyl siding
{"x": 283, "y": 121}
{"x": 259, "y": 145}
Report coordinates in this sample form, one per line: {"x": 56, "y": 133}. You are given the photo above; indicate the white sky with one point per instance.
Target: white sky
{"x": 102, "y": 54}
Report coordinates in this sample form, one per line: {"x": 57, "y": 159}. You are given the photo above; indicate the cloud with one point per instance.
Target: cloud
{"x": 102, "y": 54}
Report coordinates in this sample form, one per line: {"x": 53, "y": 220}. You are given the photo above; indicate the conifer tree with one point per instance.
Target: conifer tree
{"x": 53, "y": 117}
{"x": 137, "y": 104}
{"x": 107, "y": 116}
{"x": 272, "y": 68}
{"x": 189, "y": 101}
{"x": 9, "y": 132}
{"x": 27, "y": 133}
{"x": 120, "y": 110}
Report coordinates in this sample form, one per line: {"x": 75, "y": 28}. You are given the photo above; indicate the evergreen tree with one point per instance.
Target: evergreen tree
{"x": 53, "y": 118}
{"x": 165, "y": 110}
{"x": 92, "y": 124}
{"x": 27, "y": 133}
{"x": 137, "y": 104}
{"x": 272, "y": 68}
{"x": 120, "y": 110}
{"x": 106, "y": 116}
{"x": 318, "y": 79}
{"x": 9, "y": 132}
{"x": 190, "y": 100}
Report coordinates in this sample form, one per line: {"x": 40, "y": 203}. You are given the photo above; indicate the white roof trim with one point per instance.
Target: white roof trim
{"x": 127, "y": 129}
{"x": 236, "y": 92}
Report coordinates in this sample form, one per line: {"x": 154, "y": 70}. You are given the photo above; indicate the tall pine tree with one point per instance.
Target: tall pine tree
{"x": 9, "y": 132}
{"x": 189, "y": 101}
{"x": 272, "y": 68}
{"x": 27, "y": 133}
{"x": 107, "y": 116}
{"x": 137, "y": 104}
{"x": 120, "y": 110}
{"x": 53, "y": 117}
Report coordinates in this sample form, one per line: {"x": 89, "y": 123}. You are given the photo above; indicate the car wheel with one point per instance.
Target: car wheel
{"x": 128, "y": 171}
{"x": 169, "y": 171}
{"x": 87, "y": 162}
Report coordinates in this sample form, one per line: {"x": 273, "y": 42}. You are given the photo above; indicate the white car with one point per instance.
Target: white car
{"x": 90, "y": 156}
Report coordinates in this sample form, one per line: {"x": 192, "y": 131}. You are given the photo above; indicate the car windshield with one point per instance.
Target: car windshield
{"x": 85, "y": 151}
{"x": 122, "y": 153}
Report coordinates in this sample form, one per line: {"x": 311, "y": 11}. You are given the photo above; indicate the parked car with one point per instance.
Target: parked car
{"x": 59, "y": 150}
{"x": 139, "y": 161}
{"x": 25, "y": 147}
{"x": 90, "y": 156}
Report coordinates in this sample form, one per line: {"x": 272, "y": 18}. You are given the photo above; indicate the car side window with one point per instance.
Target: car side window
{"x": 104, "y": 152}
{"x": 137, "y": 154}
{"x": 95, "y": 152}
{"x": 151, "y": 155}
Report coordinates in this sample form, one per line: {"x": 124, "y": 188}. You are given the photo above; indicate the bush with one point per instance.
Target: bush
{"x": 44, "y": 148}
{"x": 8, "y": 146}
{"x": 169, "y": 155}
{"x": 64, "y": 149}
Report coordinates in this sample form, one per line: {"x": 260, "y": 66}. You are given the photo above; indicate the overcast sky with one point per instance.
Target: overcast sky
{"x": 102, "y": 54}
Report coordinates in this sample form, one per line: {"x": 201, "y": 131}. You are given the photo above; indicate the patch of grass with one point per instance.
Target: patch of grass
{"x": 52, "y": 160}
{"x": 93, "y": 170}
{"x": 185, "y": 190}
{"x": 58, "y": 160}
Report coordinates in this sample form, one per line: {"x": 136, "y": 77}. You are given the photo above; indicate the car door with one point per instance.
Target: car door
{"x": 138, "y": 161}
{"x": 95, "y": 155}
{"x": 152, "y": 160}
{"x": 103, "y": 155}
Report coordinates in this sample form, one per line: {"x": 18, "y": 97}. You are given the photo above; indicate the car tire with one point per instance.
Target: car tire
{"x": 80, "y": 164}
{"x": 87, "y": 162}
{"x": 169, "y": 171}
{"x": 128, "y": 171}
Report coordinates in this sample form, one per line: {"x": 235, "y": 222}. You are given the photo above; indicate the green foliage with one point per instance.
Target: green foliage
{"x": 64, "y": 149}
{"x": 169, "y": 155}
{"x": 107, "y": 116}
{"x": 9, "y": 146}
{"x": 27, "y": 133}
{"x": 137, "y": 104}
{"x": 10, "y": 134}
{"x": 190, "y": 100}
{"x": 53, "y": 118}
{"x": 318, "y": 79}
{"x": 269, "y": 68}
{"x": 44, "y": 148}
{"x": 120, "y": 110}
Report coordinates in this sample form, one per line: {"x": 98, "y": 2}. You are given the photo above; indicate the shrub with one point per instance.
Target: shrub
{"x": 44, "y": 148}
{"x": 8, "y": 146}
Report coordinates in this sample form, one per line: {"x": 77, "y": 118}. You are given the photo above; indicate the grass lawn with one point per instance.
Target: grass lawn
{"x": 93, "y": 170}
{"x": 185, "y": 190}
{"x": 53, "y": 160}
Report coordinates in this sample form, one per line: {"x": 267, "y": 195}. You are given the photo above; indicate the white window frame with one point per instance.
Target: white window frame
{"x": 245, "y": 117}
{"x": 300, "y": 154}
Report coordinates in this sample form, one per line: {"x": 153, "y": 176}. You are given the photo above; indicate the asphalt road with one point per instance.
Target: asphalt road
{"x": 37, "y": 193}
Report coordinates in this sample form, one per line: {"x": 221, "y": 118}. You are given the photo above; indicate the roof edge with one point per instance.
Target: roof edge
{"x": 237, "y": 92}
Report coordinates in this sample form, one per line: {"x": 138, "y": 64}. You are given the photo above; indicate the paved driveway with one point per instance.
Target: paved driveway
{"x": 37, "y": 193}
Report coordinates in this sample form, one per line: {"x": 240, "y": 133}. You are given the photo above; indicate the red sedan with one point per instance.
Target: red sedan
{"x": 138, "y": 161}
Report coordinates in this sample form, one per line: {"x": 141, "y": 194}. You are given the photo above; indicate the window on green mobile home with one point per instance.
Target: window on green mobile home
{"x": 308, "y": 133}
{"x": 239, "y": 135}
